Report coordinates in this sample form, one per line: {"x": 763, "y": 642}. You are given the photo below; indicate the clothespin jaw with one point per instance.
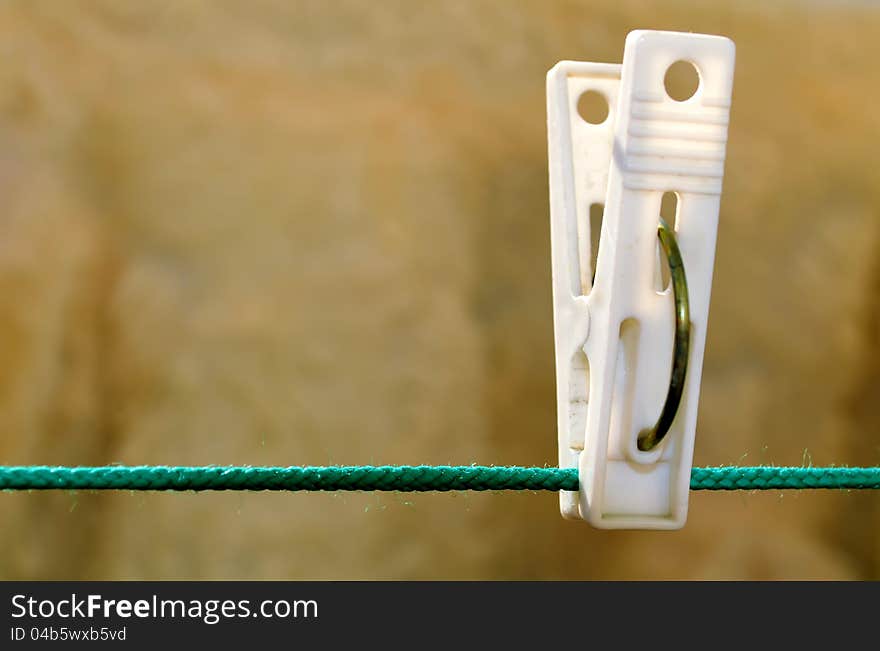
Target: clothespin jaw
{"x": 624, "y": 345}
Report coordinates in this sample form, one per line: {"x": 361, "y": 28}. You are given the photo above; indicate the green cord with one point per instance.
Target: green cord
{"x": 331, "y": 478}
{"x": 402, "y": 478}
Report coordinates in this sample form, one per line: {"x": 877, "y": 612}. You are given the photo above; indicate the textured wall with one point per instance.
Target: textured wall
{"x": 278, "y": 232}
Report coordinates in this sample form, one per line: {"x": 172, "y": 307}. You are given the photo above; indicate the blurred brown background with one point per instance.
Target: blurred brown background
{"x": 272, "y": 232}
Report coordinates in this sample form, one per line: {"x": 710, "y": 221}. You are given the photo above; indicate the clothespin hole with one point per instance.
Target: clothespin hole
{"x": 669, "y": 212}
{"x": 682, "y": 80}
{"x": 597, "y": 211}
{"x": 592, "y": 106}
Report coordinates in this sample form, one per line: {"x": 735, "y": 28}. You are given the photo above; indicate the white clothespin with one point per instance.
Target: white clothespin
{"x": 622, "y": 342}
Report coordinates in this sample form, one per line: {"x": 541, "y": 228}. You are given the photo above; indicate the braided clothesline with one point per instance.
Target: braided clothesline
{"x": 402, "y": 478}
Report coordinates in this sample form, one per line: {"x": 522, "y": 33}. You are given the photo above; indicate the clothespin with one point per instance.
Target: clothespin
{"x": 629, "y": 350}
